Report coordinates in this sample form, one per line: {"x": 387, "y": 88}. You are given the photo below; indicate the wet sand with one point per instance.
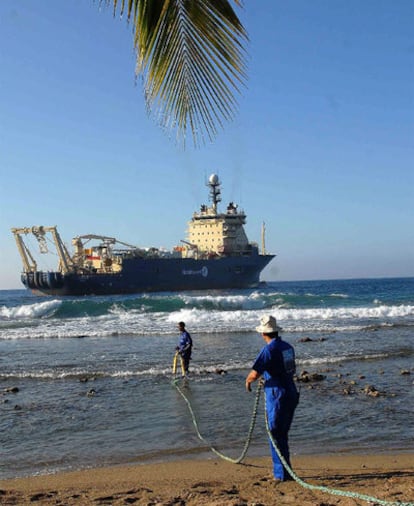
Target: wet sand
{"x": 219, "y": 483}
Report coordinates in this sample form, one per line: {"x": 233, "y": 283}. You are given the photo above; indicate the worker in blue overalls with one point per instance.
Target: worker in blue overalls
{"x": 276, "y": 363}
{"x": 185, "y": 346}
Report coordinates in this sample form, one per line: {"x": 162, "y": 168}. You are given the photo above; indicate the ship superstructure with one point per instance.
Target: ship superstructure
{"x": 217, "y": 233}
{"x": 216, "y": 254}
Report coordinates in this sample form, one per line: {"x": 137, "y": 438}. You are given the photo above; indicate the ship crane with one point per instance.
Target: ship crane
{"x": 106, "y": 240}
{"x": 39, "y": 232}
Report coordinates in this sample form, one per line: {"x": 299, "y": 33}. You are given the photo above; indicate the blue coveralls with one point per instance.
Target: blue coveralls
{"x": 184, "y": 348}
{"x": 276, "y": 363}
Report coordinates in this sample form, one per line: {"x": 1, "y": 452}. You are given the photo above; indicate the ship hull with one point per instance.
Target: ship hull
{"x": 154, "y": 275}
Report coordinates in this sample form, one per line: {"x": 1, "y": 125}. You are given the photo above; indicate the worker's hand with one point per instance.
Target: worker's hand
{"x": 248, "y": 386}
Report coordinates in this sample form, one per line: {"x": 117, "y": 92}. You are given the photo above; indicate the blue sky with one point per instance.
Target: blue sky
{"x": 321, "y": 148}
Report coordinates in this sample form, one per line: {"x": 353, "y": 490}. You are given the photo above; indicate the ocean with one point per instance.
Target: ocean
{"x": 87, "y": 381}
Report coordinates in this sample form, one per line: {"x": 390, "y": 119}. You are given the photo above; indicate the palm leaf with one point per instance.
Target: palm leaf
{"x": 191, "y": 57}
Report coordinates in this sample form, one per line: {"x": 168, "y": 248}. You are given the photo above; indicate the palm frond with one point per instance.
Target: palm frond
{"x": 191, "y": 56}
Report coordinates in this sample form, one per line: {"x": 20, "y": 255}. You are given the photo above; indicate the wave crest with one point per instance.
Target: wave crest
{"x": 30, "y": 311}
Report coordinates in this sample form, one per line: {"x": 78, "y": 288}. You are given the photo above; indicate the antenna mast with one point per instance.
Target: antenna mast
{"x": 263, "y": 239}
{"x": 215, "y": 192}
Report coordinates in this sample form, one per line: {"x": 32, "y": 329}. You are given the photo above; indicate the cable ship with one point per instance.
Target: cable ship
{"x": 216, "y": 255}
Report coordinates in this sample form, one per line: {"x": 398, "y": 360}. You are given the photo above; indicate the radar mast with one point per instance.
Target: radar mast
{"x": 215, "y": 192}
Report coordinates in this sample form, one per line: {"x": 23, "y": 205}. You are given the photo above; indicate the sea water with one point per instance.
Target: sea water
{"x": 87, "y": 381}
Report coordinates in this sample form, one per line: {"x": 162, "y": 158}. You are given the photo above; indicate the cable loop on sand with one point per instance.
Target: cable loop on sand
{"x": 298, "y": 480}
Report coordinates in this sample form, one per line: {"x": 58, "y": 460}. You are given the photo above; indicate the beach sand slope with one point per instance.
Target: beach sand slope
{"x": 220, "y": 483}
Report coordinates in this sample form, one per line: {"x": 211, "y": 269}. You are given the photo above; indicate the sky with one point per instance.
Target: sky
{"x": 321, "y": 148}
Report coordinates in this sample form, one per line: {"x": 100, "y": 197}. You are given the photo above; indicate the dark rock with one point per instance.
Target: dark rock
{"x": 371, "y": 391}
{"x": 11, "y": 390}
{"x": 232, "y": 491}
{"x": 306, "y": 377}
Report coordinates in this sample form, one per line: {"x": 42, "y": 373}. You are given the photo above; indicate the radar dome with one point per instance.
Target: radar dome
{"x": 213, "y": 179}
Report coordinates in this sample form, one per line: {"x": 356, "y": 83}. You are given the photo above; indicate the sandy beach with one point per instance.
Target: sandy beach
{"x": 220, "y": 483}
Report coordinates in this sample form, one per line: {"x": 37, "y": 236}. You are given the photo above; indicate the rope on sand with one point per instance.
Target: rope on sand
{"x": 328, "y": 490}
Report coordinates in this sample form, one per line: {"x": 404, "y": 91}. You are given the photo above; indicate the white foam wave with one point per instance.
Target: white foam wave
{"x": 138, "y": 322}
{"x": 252, "y": 301}
{"x": 346, "y": 313}
{"x": 29, "y": 311}
{"x": 122, "y": 312}
{"x": 340, "y": 358}
{"x": 382, "y": 311}
{"x": 197, "y": 370}
{"x": 290, "y": 319}
{"x": 84, "y": 374}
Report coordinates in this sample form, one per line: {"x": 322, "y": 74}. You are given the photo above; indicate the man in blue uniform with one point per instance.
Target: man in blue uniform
{"x": 276, "y": 363}
{"x": 185, "y": 346}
